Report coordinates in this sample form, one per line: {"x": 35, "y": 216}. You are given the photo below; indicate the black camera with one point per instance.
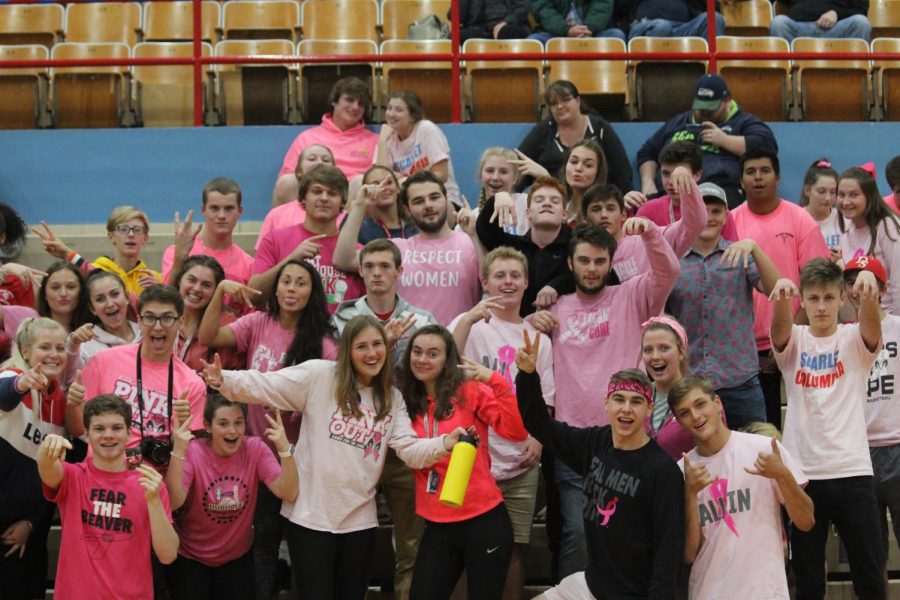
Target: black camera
{"x": 156, "y": 451}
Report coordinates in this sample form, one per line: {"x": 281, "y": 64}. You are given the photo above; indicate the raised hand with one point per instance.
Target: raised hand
{"x": 475, "y": 370}
{"x": 52, "y": 244}
{"x": 527, "y": 167}
{"x": 181, "y": 408}
{"x": 55, "y": 446}
{"x": 83, "y": 334}
{"x": 866, "y": 286}
{"x": 466, "y": 220}
{"x": 634, "y": 200}
{"x": 185, "y": 234}
{"x": 25, "y": 274}
{"x": 182, "y": 435}
{"x": 150, "y": 480}
{"x": 527, "y": 355}
{"x": 308, "y": 248}
{"x": 784, "y": 290}
{"x": 696, "y": 477}
{"x": 397, "y": 327}
{"x": 636, "y": 226}
{"x": 239, "y": 291}
{"x": 738, "y": 252}
{"x": 212, "y": 373}
{"x": 482, "y": 310}
{"x": 368, "y": 194}
{"x": 32, "y": 379}
{"x": 275, "y": 433}
{"x": 75, "y": 393}
{"x": 769, "y": 464}
{"x": 504, "y": 210}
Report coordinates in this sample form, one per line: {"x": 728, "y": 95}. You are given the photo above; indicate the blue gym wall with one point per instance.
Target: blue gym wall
{"x": 77, "y": 176}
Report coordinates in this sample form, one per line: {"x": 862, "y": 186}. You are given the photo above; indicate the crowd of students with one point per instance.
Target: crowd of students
{"x": 185, "y": 421}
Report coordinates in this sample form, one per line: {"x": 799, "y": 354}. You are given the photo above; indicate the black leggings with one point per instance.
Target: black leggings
{"x": 481, "y": 545}
{"x": 192, "y": 580}
{"x": 330, "y": 565}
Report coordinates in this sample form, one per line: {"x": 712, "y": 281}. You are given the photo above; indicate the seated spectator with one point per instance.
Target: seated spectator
{"x": 410, "y": 143}
{"x": 342, "y": 131}
{"x": 823, "y": 19}
{"x": 33, "y": 405}
{"x": 666, "y": 209}
{"x": 323, "y": 191}
{"x": 662, "y": 18}
{"x": 713, "y": 299}
{"x": 221, "y": 207}
{"x": 723, "y": 131}
{"x": 570, "y": 122}
{"x": 291, "y": 212}
{"x": 575, "y": 19}
{"x": 386, "y": 219}
{"x": 818, "y": 197}
{"x": 109, "y": 306}
{"x": 214, "y": 481}
{"x": 12, "y": 233}
{"x": 113, "y": 518}
{"x": 545, "y": 245}
{"x": 892, "y": 174}
{"x": 493, "y": 19}
{"x": 127, "y": 229}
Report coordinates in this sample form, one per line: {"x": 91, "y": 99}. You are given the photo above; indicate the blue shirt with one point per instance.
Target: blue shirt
{"x": 714, "y": 303}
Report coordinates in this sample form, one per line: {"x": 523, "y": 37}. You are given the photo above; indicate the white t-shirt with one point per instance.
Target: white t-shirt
{"x": 440, "y": 275}
{"x": 825, "y": 378}
{"x": 831, "y": 230}
{"x": 749, "y": 525}
{"x": 882, "y": 411}
{"x": 856, "y": 241}
{"x": 494, "y": 344}
{"x": 426, "y": 146}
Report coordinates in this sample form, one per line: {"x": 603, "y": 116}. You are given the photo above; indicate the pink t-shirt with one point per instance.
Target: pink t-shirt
{"x": 339, "y": 285}
{"x": 494, "y": 344}
{"x": 425, "y": 147}
{"x": 215, "y": 525}
{"x": 353, "y": 149}
{"x": 660, "y": 211}
{"x": 264, "y": 341}
{"x": 891, "y": 200}
{"x": 856, "y": 241}
{"x": 790, "y": 238}
{"x": 882, "y": 412}
{"x": 599, "y": 335}
{"x": 440, "y": 275}
{"x": 825, "y": 379}
{"x": 234, "y": 261}
{"x": 740, "y": 516}
{"x": 113, "y": 371}
{"x": 285, "y": 215}
{"x": 106, "y": 540}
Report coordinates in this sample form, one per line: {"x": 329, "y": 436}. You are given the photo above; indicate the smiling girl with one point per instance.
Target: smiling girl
{"x": 108, "y": 302}
{"x": 387, "y": 218}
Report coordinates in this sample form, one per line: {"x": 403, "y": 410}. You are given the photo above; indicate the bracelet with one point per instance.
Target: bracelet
{"x": 287, "y": 453}
{"x": 71, "y": 256}
{"x": 16, "y": 381}
{"x": 178, "y": 456}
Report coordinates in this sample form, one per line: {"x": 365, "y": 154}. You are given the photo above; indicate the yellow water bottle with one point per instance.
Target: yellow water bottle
{"x": 456, "y": 481}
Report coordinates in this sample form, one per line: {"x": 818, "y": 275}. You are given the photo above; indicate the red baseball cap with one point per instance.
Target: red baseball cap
{"x": 870, "y": 264}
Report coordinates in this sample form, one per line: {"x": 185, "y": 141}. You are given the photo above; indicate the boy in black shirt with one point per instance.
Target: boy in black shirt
{"x": 633, "y": 491}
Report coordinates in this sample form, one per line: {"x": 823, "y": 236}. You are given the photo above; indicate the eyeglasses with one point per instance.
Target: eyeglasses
{"x": 135, "y": 229}
{"x": 148, "y": 320}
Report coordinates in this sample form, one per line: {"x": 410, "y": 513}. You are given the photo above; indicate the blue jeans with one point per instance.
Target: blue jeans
{"x": 857, "y": 26}
{"x": 849, "y": 503}
{"x": 696, "y": 27}
{"x": 572, "y": 548}
{"x": 612, "y": 32}
{"x": 743, "y": 403}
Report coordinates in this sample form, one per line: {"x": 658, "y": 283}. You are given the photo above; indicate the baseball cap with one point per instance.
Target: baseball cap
{"x": 870, "y": 264}
{"x": 710, "y": 191}
{"x": 711, "y": 90}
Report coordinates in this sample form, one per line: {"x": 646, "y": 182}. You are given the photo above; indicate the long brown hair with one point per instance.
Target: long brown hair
{"x": 346, "y": 385}
{"x": 447, "y": 384}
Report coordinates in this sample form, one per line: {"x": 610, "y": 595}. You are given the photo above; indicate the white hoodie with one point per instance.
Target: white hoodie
{"x": 107, "y": 340}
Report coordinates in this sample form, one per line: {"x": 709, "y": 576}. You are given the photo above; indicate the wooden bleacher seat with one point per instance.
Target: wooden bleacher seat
{"x": 396, "y": 15}
{"x": 507, "y": 91}
{"x": 263, "y": 19}
{"x": 262, "y": 94}
{"x": 748, "y": 17}
{"x": 662, "y": 90}
{"x": 23, "y": 24}
{"x": 884, "y": 15}
{"x": 23, "y": 92}
{"x": 174, "y": 21}
{"x": 164, "y": 94}
{"x": 431, "y": 80}
{"x": 817, "y": 82}
{"x": 109, "y": 22}
{"x": 886, "y": 80}
{"x": 88, "y": 96}
{"x": 761, "y": 87}
{"x": 317, "y": 80}
{"x": 339, "y": 20}
{"x": 603, "y": 84}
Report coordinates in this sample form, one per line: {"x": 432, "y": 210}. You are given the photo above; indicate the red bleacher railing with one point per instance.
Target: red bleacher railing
{"x": 454, "y": 57}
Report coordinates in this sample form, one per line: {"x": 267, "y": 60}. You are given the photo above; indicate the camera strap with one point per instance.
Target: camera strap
{"x": 140, "y": 392}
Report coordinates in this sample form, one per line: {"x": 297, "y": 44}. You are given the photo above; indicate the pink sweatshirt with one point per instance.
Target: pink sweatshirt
{"x": 353, "y": 149}
{"x": 599, "y": 335}
{"x": 339, "y": 457}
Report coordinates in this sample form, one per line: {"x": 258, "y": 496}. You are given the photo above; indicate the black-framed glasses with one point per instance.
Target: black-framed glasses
{"x": 148, "y": 320}
{"x": 135, "y": 229}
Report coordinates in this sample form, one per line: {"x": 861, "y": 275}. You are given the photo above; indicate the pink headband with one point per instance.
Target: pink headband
{"x": 630, "y": 386}
{"x": 675, "y": 325}
{"x": 824, "y": 164}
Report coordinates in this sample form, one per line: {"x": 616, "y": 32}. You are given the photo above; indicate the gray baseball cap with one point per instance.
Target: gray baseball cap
{"x": 713, "y": 193}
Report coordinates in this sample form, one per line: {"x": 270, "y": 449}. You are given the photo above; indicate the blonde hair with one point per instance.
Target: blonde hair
{"x": 503, "y": 253}
{"x": 123, "y": 214}
{"x": 25, "y": 335}
{"x": 762, "y": 428}
{"x": 490, "y": 153}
